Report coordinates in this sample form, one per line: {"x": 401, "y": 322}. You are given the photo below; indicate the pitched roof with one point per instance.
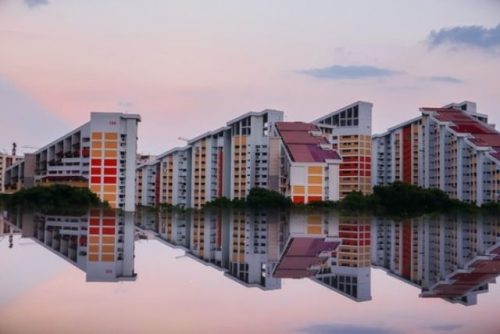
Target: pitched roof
{"x": 302, "y": 145}
{"x": 481, "y": 134}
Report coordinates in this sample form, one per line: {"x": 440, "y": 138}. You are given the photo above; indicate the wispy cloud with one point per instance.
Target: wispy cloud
{"x": 445, "y": 327}
{"x": 345, "y": 329}
{"x": 469, "y": 36}
{"x": 338, "y": 72}
{"x": 35, "y": 3}
{"x": 445, "y": 79}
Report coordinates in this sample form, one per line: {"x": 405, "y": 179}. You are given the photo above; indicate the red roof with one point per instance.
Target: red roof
{"x": 302, "y": 145}
{"x": 482, "y": 135}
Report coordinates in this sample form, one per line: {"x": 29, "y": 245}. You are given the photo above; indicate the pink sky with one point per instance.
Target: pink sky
{"x": 188, "y": 67}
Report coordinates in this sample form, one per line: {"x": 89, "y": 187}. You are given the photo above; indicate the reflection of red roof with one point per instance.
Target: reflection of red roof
{"x": 302, "y": 145}
{"x": 482, "y": 135}
{"x": 301, "y": 254}
{"x": 481, "y": 271}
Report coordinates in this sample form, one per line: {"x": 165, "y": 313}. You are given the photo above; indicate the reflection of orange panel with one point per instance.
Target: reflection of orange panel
{"x": 110, "y": 180}
{"x": 110, "y": 154}
{"x": 108, "y": 248}
{"x": 94, "y": 230}
{"x": 107, "y": 257}
{"x": 96, "y": 144}
{"x": 299, "y": 190}
{"x": 311, "y": 199}
{"x": 315, "y": 179}
{"x": 95, "y": 221}
{"x": 109, "y": 222}
{"x": 314, "y": 219}
{"x": 315, "y": 170}
{"x": 93, "y": 239}
{"x": 112, "y": 205}
{"x": 108, "y": 239}
{"x": 298, "y": 199}
{"x": 109, "y": 171}
{"x": 110, "y": 162}
{"x": 111, "y": 136}
{"x": 96, "y": 154}
{"x": 314, "y": 229}
{"x": 96, "y": 135}
{"x": 109, "y": 189}
{"x": 93, "y": 258}
{"x": 108, "y": 230}
{"x": 110, "y": 145}
{"x": 315, "y": 190}
{"x": 93, "y": 248}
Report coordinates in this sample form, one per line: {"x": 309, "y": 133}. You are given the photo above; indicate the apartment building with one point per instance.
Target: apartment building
{"x": 450, "y": 258}
{"x": 211, "y": 165}
{"x": 6, "y": 160}
{"x": 100, "y": 243}
{"x": 175, "y": 177}
{"x": 452, "y": 148}
{"x": 349, "y": 130}
{"x": 254, "y": 154}
{"x": 146, "y": 177}
{"x": 309, "y": 164}
{"x": 100, "y": 155}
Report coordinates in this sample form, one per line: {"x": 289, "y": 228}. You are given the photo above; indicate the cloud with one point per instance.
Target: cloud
{"x": 445, "y": 79}
{"x": 445, "y": 328}
{"x": 338, "y": 72}
{"x": 35, "y": 3}
{"x": 345, "y": 329}
{"x": 472, "y": 36}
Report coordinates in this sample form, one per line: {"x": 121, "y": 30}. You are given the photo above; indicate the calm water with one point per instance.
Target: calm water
{"x": 265, "y": 272}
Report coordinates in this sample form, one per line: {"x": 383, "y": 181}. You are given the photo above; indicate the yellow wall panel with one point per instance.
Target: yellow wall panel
{"x": 315, "y": 170}
{"x": 298, "y": 190}
{"x": 110, "y": 154}
{"x": 111, "y": 145}
{"x": 315, "y": 179}
{"x": 111, "y": 136}
{"x": 96, "y": 135}
{"x": 93, "y": 257}
{"x": 108, "y": 248}
{"x": 315, "y": 190}
{"x": 108, "y": 240}
{"x": 96, "y": 153}
{"x": 108, "y": 188}
{"x": 93, "y": 248}
{"x": 93, "y": 239}
{"x": 108, "y": 257}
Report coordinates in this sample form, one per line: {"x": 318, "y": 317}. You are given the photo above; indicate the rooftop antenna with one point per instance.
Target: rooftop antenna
{"x": 14, "y": 146}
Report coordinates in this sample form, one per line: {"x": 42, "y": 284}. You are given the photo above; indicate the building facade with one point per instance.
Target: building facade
{"x": 100, "y": 155}
{"x": 309, "y": 164}
{"x": 452, "y": 148}
{"x": 349, "y": 129}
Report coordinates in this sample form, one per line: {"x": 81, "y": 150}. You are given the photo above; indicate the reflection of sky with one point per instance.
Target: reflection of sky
{"x": 25, "y": 266}
{"x": 181, "y": 295}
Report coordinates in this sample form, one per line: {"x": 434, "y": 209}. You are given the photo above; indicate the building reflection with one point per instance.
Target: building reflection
{"x": 453, "y": 258}
{"x": 100, "y": 242}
